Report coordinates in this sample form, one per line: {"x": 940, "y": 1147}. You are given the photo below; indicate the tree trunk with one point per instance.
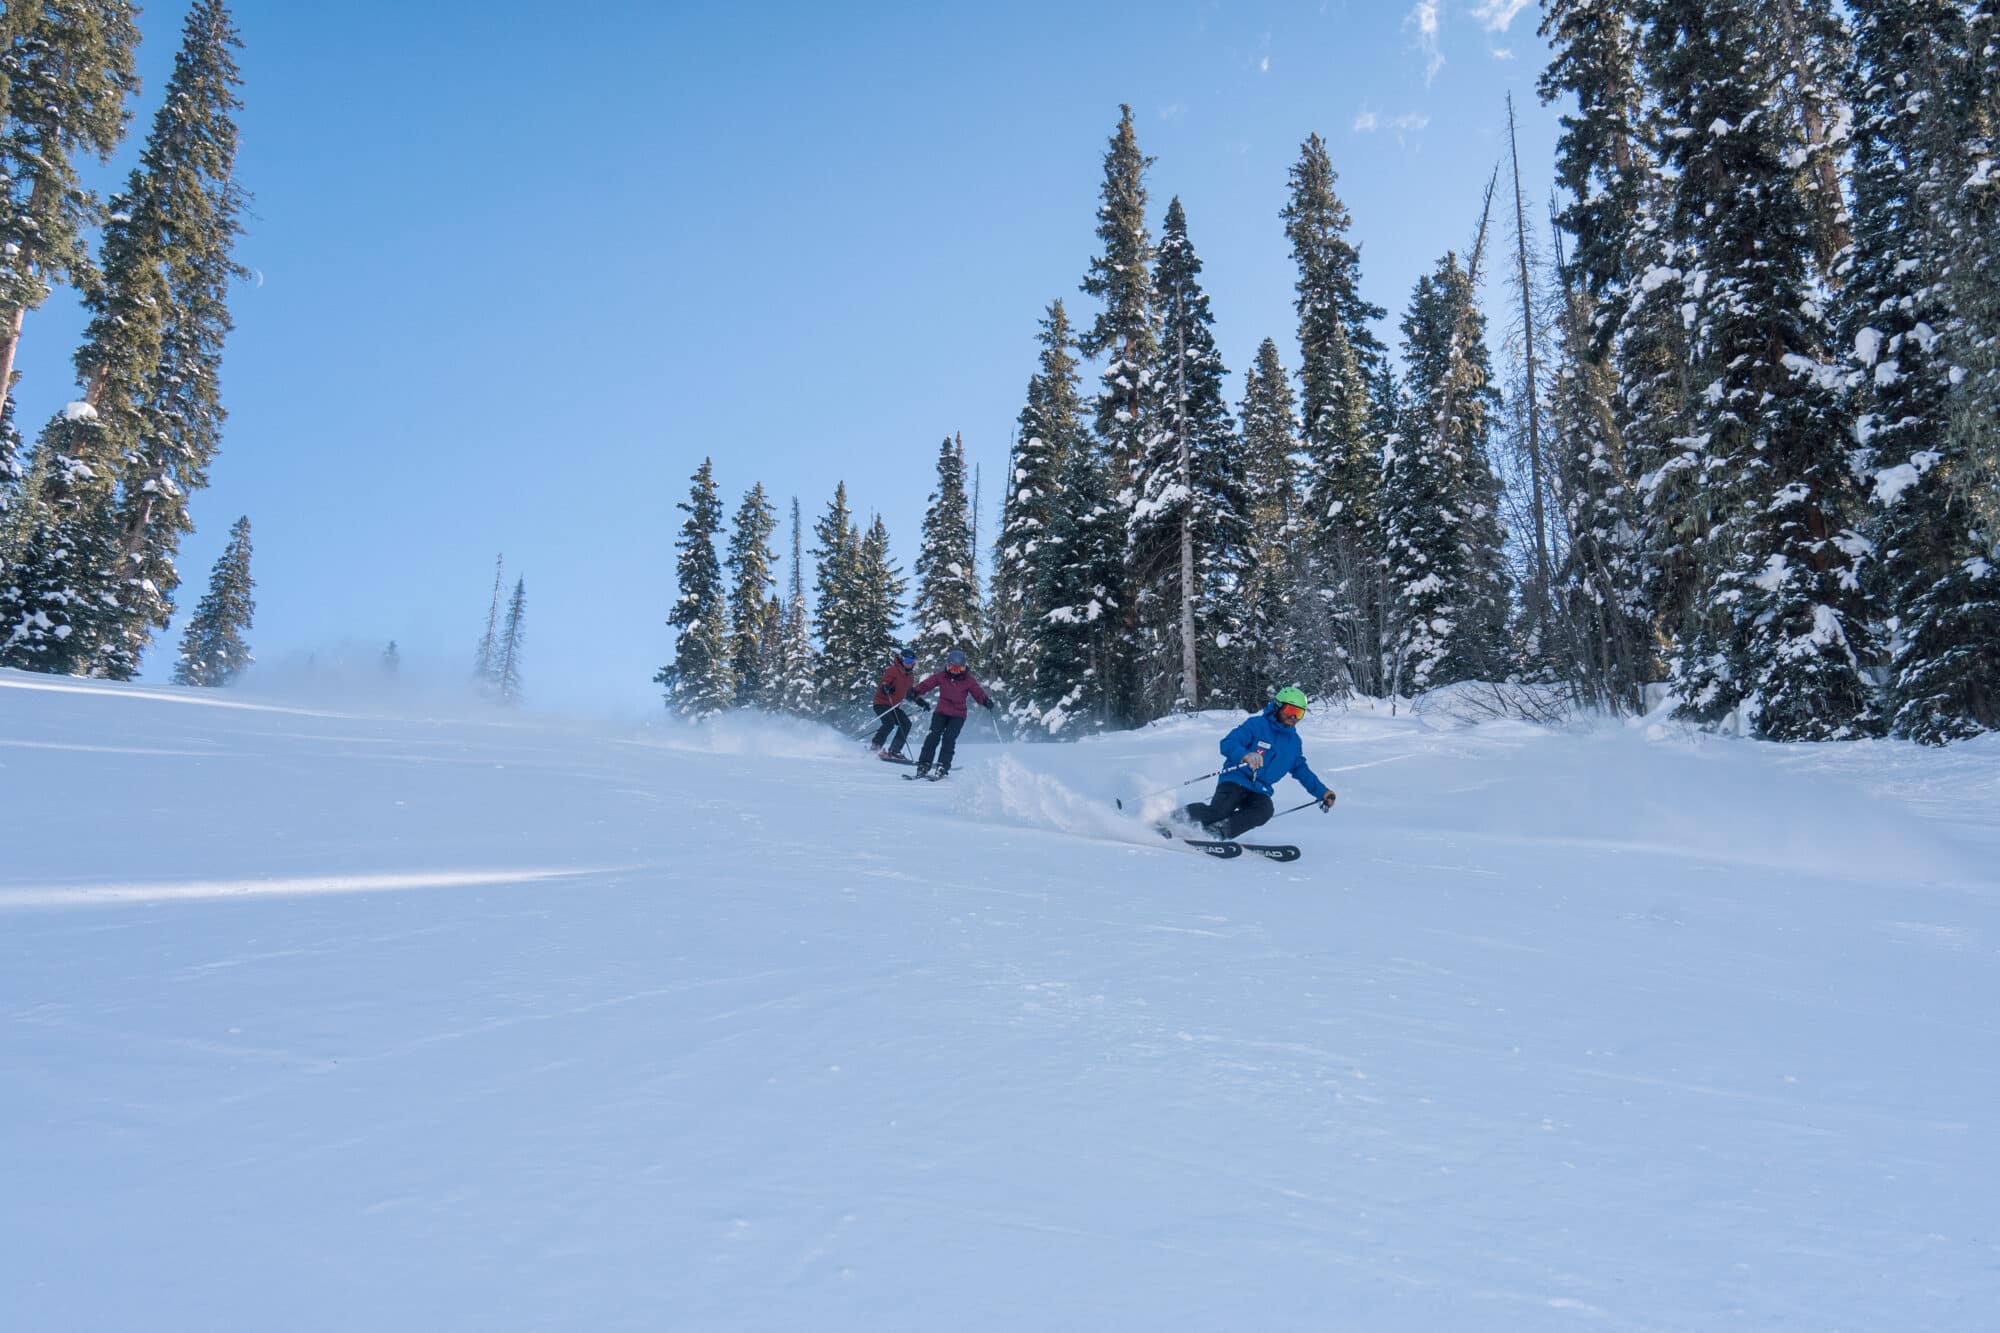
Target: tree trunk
{"x": 1534, "y": 402}
{"x": 1835, "y": 236}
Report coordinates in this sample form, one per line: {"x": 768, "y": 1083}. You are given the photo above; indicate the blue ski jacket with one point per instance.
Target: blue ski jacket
{"x": 1282, "y": 750}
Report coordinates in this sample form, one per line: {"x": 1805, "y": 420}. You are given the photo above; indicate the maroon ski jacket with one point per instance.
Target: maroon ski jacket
{"x": 894, "y": 686}
{"x": 951, "y": 691}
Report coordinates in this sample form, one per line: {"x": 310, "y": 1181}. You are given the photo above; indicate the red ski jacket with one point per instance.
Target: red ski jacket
{"x": 951, "y": 692}
{"x": 894, "y": 686}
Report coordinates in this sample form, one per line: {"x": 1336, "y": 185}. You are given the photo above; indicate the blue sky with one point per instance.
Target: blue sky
{"x": 518, "y": 268}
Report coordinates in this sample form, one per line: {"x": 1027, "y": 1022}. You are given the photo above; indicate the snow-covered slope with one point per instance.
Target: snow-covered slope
{"x": 318, "y": 1020}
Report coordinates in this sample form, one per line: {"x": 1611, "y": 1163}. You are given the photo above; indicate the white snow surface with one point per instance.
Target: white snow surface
{"x": 329, "y": 1018}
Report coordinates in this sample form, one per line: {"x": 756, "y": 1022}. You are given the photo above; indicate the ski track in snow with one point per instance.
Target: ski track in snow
{"x": 368, "y": 1022}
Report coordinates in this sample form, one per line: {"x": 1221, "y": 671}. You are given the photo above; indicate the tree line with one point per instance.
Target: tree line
{"x": 1744, "y": 445}
{"x": 91, "y": 521}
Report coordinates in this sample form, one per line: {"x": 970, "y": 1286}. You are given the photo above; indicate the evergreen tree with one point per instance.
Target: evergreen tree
{"x": 88, "y": 577}
{"x": 10, "y": 476}
{"x": 212, "y": 649}
{"x": 1974, "y": 296}
{"x": 184, "y": 197}
{"x": 1339, "y": 528}
{"x": 508, "y": 671}
{"x": 698, "y": 681}
{"x": 947, "y": 610}
{"x": 65, "y": 72}
{"x": 1079, "y": 566}
{"x": 844, "y": 664}
{"x": 878, "y": 608}
{"x": 1782, "y": 629}
{"x": 791, "y": 686}
{"x": 1190, "y": 541}
{"x": 1934, "y": 574}
{"x": 1050, "y": 431}
{"x": 1600, "y": 585}
{"x": 1270, "y": 441}
{"x": 485, "y": 664}
{"x": 1125, "y": 331}
{"x": 1447, "y": 589}
{"x": 750, "y": 600}
{"x": 1813, "y": 50}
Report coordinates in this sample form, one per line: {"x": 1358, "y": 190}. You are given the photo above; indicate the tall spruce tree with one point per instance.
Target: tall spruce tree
{"x": 750, "y": 599}
{"x": 947, "y": 610}
{"x": 1339, "y": 529}
{"x": 184, "y": 194}
{"x": 512, "y": 641}
{"x": 791, "y": 685}
{"x": 1270, "y": 427}
{"x": 1051, "y": 429}
{"x": 1190, "y": 541}
{"x": 878, "y": 610}
{"x": 483, "y": 663}
{"x": 84, "y": 591}
{"x": 1126, "y": 333}
{"x": 1447, "y": 589}
{"x": 844, "y": 662}
{"x": 66, "y": 70}
{"x": 1783, "y": 631}
{"x": 1079, "y": 566}
{"x": 213, "y": 652}
{"x": 698, "y": 681}
{"x": 1934, "y": 575}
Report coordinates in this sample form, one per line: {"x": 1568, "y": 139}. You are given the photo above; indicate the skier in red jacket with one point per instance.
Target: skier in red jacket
{"x": 890, "y": 692}
{"x": 953, "y": 684}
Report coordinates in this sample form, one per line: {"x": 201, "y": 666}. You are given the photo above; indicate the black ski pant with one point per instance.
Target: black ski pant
{"x": 942, "y": 742}
{"x": 893, "y": 719}
{"x": 1232, "y": 812}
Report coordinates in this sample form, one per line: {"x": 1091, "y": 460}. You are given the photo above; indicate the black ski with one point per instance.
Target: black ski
{"x": 1221, "y": 851}
{"x": 1283, "y": 851}
{"x": 895, "y": 759}
{"x": 925, "y": 777}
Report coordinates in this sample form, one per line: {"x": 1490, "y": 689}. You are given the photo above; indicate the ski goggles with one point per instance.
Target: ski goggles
{"x": 1289, "y": 714}
{"x": 908, "y": 659}
{"x": 954, "y": 671}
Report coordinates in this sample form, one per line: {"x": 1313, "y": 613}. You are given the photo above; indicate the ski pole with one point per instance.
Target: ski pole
{"x": 1295, "y": 809}
{"x": 1169, "y": 791}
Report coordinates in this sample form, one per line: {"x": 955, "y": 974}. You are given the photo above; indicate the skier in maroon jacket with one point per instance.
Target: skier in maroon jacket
{"x": 894, "y": 687}
{"x": 953, "y": 684}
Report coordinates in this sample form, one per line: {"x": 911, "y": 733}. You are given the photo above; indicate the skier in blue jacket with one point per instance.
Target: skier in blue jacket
{"x": 1259, "y": 752}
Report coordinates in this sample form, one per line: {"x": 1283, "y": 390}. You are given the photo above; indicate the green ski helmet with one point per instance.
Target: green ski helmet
{"x": 1292, "y": 695}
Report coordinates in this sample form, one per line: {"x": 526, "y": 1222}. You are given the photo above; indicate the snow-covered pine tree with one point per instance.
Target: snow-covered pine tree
{"x": 878, "y": 609}
{"x": 64, "y": 77}
{"x": 791, "y": 684}
{"x": 843, "y": 665}
{"x": 60, "y": 604}
{"x": 1339, "y": 529}
{"x": 1603, "y": 162}
{"x": 1270, "y": 428}
{"x": 184, "y": 194}
{"x": 1975, "y": 297}
{"x": 1189, "y": 552}
{"x": 1446, "y": 577}
{"x": 1934, "y": 575}
{"x": 1079, "y": 564}
{"x": 947, "y": 609}
{"x": 1811, "y": 44}
{"x": 1599, "y": 586}
{"x": 1782, "y": 631}
{"x": 512, "y": 641}
{"x": 698, "y": 681}
{"x": 483, "y": 672}
{"x": 1125, "y": 331}
{"x": 212, "y": 649}
{"x": 1050, "y": 430}
{"x": 750, "y": 597}
{"x": 10, "y": 475}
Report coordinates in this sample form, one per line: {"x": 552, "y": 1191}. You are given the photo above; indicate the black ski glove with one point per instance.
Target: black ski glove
{"x": 1326, "y": 803}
